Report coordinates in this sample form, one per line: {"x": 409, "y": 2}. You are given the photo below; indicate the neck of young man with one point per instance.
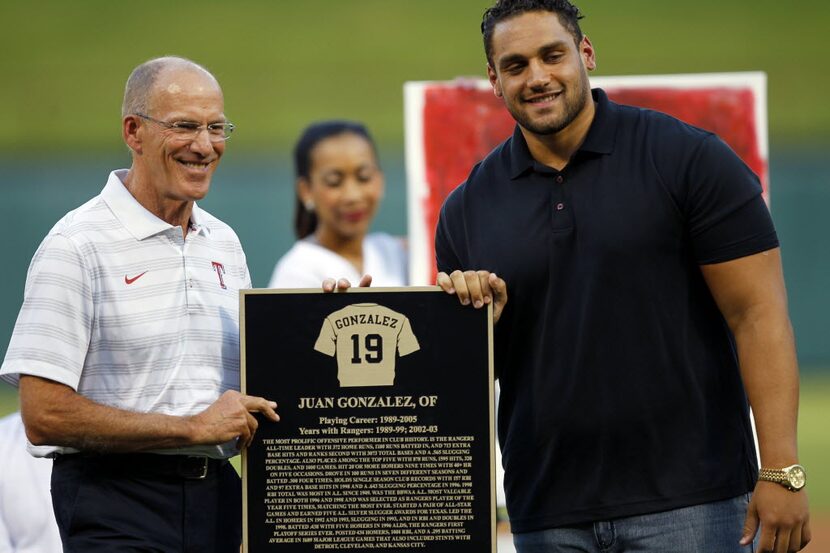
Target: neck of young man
{"x": 556, "y": 149}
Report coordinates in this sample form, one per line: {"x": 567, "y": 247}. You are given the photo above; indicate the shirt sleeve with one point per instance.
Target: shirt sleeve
{"x": 407, "y": 342}
{"x": 327, "y": 340}
{"x": 726, "y": 214}
{"x": 54, "y": 326}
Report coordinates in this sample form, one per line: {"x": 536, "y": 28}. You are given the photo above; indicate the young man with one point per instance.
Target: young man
{"x": 126, "y": 349}
{"x": 646, "y": 305}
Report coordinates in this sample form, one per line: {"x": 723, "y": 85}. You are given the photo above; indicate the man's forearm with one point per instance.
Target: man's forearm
{"x": 54, "y": 414}
{"x": 766, "y": 351}
{"x": 750, "y": 294}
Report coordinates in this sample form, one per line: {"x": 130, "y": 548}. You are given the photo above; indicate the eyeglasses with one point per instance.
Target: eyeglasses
{"x": 188, "y": 130}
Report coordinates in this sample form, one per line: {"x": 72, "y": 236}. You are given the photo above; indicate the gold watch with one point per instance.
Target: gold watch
{"x": 793, "y": 477}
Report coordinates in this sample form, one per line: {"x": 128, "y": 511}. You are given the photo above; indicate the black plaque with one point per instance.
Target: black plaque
{"x": 386, "y": 438}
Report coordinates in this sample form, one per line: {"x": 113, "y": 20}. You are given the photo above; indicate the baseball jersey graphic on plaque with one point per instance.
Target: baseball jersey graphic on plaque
{"x": 365, "y": 338}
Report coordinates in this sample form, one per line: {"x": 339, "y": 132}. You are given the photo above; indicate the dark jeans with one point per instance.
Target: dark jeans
{"x": 708, "y": 528}
{"x": 139, "y": 502}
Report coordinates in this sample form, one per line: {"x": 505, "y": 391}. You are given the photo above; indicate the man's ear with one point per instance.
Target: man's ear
{"x": 131, "y": 133}
{"x": 589, "y": 55}
{"x": 494, "y": 81}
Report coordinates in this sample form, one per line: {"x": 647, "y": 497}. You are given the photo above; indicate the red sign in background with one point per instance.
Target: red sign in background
{"x": 461, "y": 124}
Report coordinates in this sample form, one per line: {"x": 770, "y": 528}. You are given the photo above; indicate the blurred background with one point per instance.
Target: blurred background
{"x": 283, "y": 64}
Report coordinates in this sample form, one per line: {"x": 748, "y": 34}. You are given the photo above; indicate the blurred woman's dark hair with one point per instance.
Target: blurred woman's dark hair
{"x": 305, "y": 220}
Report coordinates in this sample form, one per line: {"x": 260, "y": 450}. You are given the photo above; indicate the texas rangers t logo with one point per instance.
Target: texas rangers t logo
{"x": 220, "y": 272}
{"x": 365, "y": 338}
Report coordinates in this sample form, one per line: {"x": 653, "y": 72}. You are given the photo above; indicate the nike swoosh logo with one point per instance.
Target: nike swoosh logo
{"x": 128, "y": 280}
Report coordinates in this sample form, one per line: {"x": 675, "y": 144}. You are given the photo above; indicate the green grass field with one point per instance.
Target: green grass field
{"x": 283, "y": 64}
{"x": 814, "y": 439}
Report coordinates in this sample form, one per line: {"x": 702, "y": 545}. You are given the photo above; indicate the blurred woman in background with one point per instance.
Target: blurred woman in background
{"x": 339, "y": 185}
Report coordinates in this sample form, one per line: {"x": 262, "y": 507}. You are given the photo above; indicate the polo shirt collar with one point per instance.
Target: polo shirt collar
{"x": 199, "y": 221}
{"x": 137, "y": 219}
{"x": 603, "y": 131}
{"x": 600, "y": 138}
{"x": 520, "y": 158}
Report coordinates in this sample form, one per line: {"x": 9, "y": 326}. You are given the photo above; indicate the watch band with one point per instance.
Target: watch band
{"x": 773, "y": 475}
{"x": 793, "y": 477}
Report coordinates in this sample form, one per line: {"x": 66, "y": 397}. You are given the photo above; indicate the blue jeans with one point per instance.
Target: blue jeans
{"x": 708, "y": 528}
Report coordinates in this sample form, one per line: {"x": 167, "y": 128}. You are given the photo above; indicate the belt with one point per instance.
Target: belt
{"x": 189, "y": 467}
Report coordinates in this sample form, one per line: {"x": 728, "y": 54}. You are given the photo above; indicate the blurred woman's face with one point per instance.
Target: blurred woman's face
{"x": 345, "y": 185}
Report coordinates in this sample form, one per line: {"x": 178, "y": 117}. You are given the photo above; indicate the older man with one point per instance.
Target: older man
{"x": 126, "y": 348}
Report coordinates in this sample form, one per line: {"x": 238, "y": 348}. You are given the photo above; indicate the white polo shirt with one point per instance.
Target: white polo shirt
{"x": 121, "y": 308}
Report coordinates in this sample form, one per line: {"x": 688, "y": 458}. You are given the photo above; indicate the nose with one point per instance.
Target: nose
{"x": 201, "y": 142}
{"x": 352, "y": 191}
{"x": 538, "y": 75}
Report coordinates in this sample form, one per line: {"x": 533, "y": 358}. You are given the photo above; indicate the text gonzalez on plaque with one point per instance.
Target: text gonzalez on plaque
{"x": 408, "y": 402}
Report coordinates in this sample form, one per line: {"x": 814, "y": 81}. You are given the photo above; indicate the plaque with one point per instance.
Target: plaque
{"x": 386, "y": 434}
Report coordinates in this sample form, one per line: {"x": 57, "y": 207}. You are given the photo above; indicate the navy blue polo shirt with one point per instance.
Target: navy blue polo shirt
{"x": 620, "y": 390}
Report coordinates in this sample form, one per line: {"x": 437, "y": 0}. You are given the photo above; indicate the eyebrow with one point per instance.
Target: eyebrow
{"x": 513, "y": 58}
{"x": 181, "y": 117}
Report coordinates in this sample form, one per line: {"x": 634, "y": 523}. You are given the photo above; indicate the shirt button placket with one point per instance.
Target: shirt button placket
{"x": 559, "y": 215}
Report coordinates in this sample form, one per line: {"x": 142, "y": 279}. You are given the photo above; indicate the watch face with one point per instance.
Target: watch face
{"x": 796, "y": 477}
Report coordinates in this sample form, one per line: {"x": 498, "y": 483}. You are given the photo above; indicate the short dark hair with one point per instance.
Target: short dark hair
{"x": 569, "y": 15}
{"x": 305, "y": 221}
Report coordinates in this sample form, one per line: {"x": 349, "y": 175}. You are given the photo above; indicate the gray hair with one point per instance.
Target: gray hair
{"x": 141, "y": 81}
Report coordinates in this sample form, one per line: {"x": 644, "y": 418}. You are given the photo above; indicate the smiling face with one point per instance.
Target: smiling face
{"x": 540, "y": 72}
{"x": 345, "y": 186}
{"x": 174, "y": 169}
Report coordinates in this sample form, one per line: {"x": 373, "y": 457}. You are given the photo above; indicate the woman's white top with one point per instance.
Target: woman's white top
{"x": 308, "y": 263}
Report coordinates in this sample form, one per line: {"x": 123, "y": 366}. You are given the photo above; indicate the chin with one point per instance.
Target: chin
{"x": 351, "y": 233}
{"x": 196, "y": 193}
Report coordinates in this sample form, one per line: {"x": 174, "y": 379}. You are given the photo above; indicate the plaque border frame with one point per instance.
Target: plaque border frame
{"x": 244, "y": 293}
